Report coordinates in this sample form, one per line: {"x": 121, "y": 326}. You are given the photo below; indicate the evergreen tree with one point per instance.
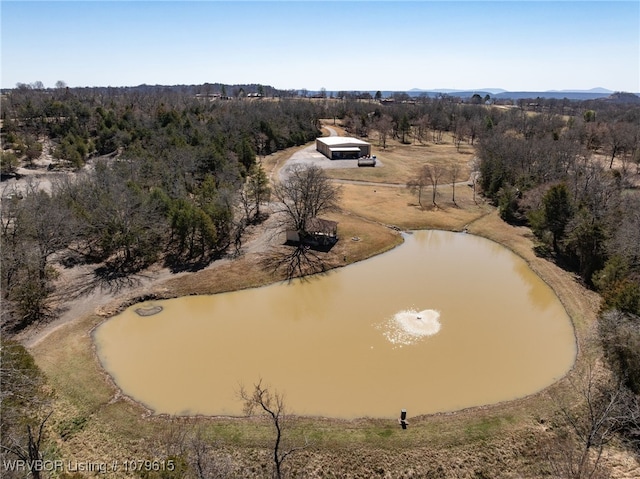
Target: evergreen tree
{"x": 557, "y": 212}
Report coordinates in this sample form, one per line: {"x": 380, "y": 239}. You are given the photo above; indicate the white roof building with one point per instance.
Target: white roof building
{"x": 342, "y": 148}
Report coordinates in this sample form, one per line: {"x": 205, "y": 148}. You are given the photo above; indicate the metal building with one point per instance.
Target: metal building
{"x": 342, "y": 148}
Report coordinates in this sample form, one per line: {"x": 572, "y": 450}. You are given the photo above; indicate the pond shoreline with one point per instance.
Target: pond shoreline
{"x": 455, "y": 262}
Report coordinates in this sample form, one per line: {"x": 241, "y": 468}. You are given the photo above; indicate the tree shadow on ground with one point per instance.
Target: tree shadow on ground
{"x": 178, "y": 264}
{"x": 107, "y": 278}
{"x": 297, "y": 260}
{"x": 323, "y": 245}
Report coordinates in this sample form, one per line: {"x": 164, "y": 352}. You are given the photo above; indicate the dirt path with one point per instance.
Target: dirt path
{"x": 40, "y": 178}
{"x": 332, "y": 131}
{"x": 395, "y": 185}
{"x": 79, "y": 294}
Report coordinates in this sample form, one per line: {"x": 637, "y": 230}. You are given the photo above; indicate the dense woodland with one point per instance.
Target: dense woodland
{"x": 173, "y": 175}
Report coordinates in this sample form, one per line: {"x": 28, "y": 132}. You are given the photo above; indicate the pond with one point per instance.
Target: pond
{"x": 443, "y": 322}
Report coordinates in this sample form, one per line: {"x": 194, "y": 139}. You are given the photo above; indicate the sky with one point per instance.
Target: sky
{"x": 337, "y": 45}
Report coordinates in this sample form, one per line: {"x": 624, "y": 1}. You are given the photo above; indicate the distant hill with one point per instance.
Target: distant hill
{"x": 570, "y": 95}
{"x": 502, "y": 94}
{"x": 623, "y": 97}
{"x": 598, "y": 93}
{"x": 592, "y": 90}
{"x": 618, "y": 97}
{"x": 448, "y": 91}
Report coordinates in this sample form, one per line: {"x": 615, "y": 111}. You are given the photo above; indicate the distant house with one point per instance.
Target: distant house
{"x": 342, "y": 148}
{"x": 319, "y": 232}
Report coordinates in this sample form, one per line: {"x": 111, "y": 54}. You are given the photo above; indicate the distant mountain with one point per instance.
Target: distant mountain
{"x": 493, "y": 91}
{"x": 559, "y": 95}
{"x": 592, "y": 90}
{"x": 449, "y": 91}
{"x": 501, "y": 93}
{"x": 435, "y": 90}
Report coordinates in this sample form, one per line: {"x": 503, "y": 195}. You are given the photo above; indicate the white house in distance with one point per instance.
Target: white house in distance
{"x": 342, "y": 148}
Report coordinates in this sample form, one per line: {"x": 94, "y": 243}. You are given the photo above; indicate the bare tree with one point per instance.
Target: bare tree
{"x": 475, "y": 126}
{"x": 421, "y": 130}
{"x": 630, "y": 144}
{"x": 32, "y": 230}
{"x": 454, "y": 170}
{"x": 587, "y": 425}
{"x": 272, "y": 405}
{"x": 262, "y": 142}
{"x": 433, "y": 174}
{"x": 30, "y": 453}
{"x": 194, "y": 451}
{"x": 48, "y": 222}
{"x": 305, "y": 193}
{"x": 417, "y": 184}
{"x": 475, "y": 176}
{"x": 206, "y": 463}
{"x": 383, "y": 125}
{"x": 626, "y": 238}
{"x": 460, "y": 130}
{"x": 427, "y": 175}
{"x": 616, "y": 139}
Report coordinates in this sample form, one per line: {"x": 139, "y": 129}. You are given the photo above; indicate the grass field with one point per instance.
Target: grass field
{"x": 94, "y": 422}
{"x": 401, "y": 162}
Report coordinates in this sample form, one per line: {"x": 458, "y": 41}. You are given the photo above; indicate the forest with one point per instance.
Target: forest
{"x": 173, "y": 176}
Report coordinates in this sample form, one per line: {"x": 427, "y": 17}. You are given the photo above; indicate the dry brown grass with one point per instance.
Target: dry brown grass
{"x": 401, "y": 162}
{"x": 398, "y": 206}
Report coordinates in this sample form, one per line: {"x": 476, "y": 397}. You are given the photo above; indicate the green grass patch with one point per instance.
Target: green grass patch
{"x": 485, "y": 428}
{"x": 70, "y": 427}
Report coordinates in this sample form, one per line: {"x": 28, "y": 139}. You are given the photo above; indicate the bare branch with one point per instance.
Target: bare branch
{"x": 589, "y": 424}
{"x": 305, "y": 193}
{"x": 272, "y": 405}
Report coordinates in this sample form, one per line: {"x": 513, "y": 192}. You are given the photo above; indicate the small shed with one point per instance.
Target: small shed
{"x": 318, "y": 227}
{"x": 318, "y": 232}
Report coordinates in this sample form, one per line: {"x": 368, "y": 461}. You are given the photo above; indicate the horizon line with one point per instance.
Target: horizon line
{"x": 596, "y": 90}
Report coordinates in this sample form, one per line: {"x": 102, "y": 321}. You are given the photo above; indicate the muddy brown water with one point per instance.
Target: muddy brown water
{"x": 333, "y": 344}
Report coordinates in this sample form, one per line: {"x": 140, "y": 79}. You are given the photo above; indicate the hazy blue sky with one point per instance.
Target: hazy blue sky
{"x": 338, "y": 45}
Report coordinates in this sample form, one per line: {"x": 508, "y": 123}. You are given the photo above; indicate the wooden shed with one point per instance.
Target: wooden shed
{"x": 318, "y": 232}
